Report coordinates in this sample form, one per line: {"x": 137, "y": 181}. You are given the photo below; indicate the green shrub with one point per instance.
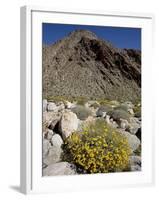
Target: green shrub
{"x": 122, "y": 107}
{"x": 102, "y": 109}
{"x": 119, "y": 114}
{"x": 95, "y": 105}
{"x": 82, "y": 112}
{"x": 81, "y": 100}
{"x": 57, "y": 99}
{"x": 104, "y": 102}
{"x": 98, "y": 149}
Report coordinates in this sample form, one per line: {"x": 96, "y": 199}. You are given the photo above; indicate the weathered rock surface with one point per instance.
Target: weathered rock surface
{"x": 68, "y": 124}
{"x": 50, "y": 119}
{"x": 61, "y": 168}
{"x": 133, "y": 141}
{"x": 60, "y": 107}
{"x": 44, "y": 105}
{"x": 51, "y": 106}
{"x": 134, "y": 125}
{"x": 69, "y": 105}
{"x": 46, "y": 146}
{"x": 53, "y": 155}
{"x": 85, "y": 123}
{"x": 133, "y": 128}
{"x": 57, "y": 140}
{"x": 135, "y": 163}
{"x": 123, "y": 123}
{"x": 48, "y": 134}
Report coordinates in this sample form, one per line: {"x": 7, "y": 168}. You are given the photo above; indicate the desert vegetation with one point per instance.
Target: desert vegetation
{"x": 90, "y": 138}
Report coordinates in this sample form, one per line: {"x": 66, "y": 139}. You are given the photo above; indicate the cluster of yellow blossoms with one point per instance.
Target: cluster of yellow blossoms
{"x": 98, "y": 149}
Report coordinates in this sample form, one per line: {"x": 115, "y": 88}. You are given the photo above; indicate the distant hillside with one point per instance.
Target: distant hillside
{"x": 81, "y": 64}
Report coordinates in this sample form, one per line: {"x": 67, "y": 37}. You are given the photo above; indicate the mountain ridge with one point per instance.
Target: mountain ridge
{"x": 81, "y": 64}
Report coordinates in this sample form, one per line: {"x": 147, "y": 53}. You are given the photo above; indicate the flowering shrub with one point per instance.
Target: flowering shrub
{"x": 98, "y": 149}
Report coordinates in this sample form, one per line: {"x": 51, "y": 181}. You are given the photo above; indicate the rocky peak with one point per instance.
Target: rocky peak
{"x": 82, "y": 34}
{"x": 81, "y": 64}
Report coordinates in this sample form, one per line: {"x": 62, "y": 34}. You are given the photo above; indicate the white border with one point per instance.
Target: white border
{"x": 31, "y": 81}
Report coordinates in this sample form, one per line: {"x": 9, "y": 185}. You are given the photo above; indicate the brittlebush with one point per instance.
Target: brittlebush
{"x": 98, "y": 149}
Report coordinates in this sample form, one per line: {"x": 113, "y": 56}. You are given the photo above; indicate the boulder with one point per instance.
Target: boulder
{"x": 51, "y": 107}
{"x": 61, "y": 107}
{"x": 123, "y": 124}
{"x": 135, "y": 163}
{"x": 68, "y": 124}
{"x": 50, "y": 119}
{"x": 57, "y": 140}
{"x": 135, "y": 168}
{"x": 45, "y": 147}
{"x": 107, "y": 119}
{"x": 135, "y": 120}
{"x": 44, "y": 105}
{"x": 134, "y": 125}
{"x": 61, "y": 168}
{"x": 133, "y": 141}
{"x": 53, "y": 155}
{"x": 133, "y": 128}
{"x": 85, "y": 123}
{"x": 48, "y": 134}
{"x": 113, "y": 124}
{"x": 54, "y": 122}
{"x": 68, "y": 105}
{"x": 89, "y": 120}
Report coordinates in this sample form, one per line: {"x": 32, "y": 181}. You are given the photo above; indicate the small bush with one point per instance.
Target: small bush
{"x": 119, "y": 114}
{"x": 82, "y": 112}
{"x": 104, "y": 102}
{"x": 102, "y": 109}
{"x": 122, "y": 107}
{"x": 98, "y": 149}
{"x": 95, "y": 105}
{"x": 57, "y": 99}
{"x": 81, "y": 100}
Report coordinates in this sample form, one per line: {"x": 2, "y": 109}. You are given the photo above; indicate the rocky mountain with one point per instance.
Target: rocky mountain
{"x": 81, "y": 64}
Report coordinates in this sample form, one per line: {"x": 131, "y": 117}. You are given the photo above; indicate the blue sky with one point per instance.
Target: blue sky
{"x": 119, "y": 37}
